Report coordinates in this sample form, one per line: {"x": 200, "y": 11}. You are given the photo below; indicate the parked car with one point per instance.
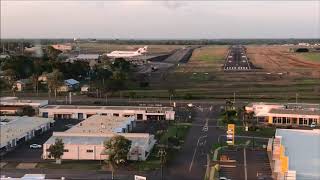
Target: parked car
{"x": 313, "y": 125}
{"x": 224, "y": 178}
{"x": 35, "y": 146}
{"x": 69, "y": 125}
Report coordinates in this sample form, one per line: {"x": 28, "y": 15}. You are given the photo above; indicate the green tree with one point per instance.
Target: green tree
{"x": 53, "y": 53}
{"x": 117, "y": 148}
{"x": 171, "y": 92}
{"x": 56, "y": 150}
{"x": 35, "y": 82}
{"x": 132, "y": 94}
{"x": 27, "y": 111}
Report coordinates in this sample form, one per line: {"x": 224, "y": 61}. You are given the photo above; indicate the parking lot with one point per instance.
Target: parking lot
{"x": 245, "y": 163}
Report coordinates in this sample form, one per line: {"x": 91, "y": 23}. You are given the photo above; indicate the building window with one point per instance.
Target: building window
{"x": 279, "y": 120}
{"x": 116, "y": 114}
{"x": 300, "y": 121}
{"x": 66, "y": 150}
{"x": 89, "y": 151}
{"x": 294, "y": 120}
{"x": 274, "y": 120}
{"x": 305, "y": 121}
{"x": 47, "y": 150}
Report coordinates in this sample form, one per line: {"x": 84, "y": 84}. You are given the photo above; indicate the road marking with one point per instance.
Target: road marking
{"x": 228, "y": 166}
{"x": 195, "y": 151}
{"x": 245, "y": 164}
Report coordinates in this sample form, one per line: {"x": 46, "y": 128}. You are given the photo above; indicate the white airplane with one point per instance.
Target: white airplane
{"x": 127, "y": 54}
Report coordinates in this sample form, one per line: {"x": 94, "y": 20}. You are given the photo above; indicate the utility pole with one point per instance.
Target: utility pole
{"x": 234, "y": 97}
{"x": 162, "y": 154}
{"x": 296, "y": 98}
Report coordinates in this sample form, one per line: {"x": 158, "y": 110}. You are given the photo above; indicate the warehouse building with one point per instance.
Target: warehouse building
{"x": 83, "y": 112}
{"x": 85, "y": 141}
{"x": 295, "y": 114}
{"x": 18, "y": 129}
{"x": 11, "y": 105}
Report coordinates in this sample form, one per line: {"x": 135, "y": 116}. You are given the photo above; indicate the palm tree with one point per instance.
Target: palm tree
{"x": 54, "y": 81}
{"x": 34, "y": 78}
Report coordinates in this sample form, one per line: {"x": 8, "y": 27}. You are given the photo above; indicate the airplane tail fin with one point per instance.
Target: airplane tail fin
{"x": 143, "y": 50}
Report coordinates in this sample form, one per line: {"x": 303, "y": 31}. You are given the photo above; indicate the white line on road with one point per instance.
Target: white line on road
{"x": 195, "y": 151}
{"x": 245, "y": 164}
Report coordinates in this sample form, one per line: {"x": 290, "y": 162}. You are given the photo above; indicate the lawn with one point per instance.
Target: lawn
{"x": 315, "y": 57}
{"x": 152, "y": 163}
{"x": 267, "y": 132}
{"x": 179, "y": 129}
{"x": 79, "y": 165}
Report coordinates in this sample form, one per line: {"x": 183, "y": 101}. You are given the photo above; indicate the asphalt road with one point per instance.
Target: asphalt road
{"x": 191, "y": 161}
{"x": 237, "y": 60}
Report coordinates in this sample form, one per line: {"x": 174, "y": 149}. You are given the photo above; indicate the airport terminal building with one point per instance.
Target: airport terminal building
{"x": 82, "y": 112}
{"x": 296, "y": 114}
{"x": 85, "y": 141}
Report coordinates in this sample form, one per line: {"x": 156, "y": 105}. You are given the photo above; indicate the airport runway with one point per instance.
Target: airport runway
{"x": 237, "y": 59}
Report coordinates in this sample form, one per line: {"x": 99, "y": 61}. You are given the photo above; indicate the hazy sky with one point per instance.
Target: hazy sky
{"x": 160, "y": 19}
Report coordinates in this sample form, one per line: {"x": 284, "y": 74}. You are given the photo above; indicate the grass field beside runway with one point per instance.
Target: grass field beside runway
{"x": 314, "y": 57}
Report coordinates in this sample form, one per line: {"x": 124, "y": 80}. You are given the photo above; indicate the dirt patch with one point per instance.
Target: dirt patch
{"x": 26, "y": 165}
{"x": 278, "y": 59}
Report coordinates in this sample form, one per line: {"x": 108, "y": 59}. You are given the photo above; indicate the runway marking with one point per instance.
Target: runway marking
{"x": 245, "y": 164}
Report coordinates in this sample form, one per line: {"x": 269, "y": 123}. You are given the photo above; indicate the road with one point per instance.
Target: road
{"x": 237, "y": 60}
{"x": 191, "y": 161}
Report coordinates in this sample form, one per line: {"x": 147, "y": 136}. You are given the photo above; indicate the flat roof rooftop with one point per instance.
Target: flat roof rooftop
{"x": 140, "y": 139}
{"x": 101, "y": 124}
{"x": 10, "y": 101}
{"x": 108, "y": 107}
{"x": 302, "y": 147}
{"x": 295, "y": 111}
{"x": 12, "y": 127}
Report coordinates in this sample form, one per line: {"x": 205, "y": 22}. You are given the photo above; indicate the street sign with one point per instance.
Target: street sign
{"x": 230, "y": 134}
{"x": 136, "y": 177}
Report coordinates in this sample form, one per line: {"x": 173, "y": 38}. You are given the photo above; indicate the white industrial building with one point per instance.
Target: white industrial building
{"x": 85, "y": 141}
{"x": 294, "y": 154}
{"x": 17, "y": 129}
{"x": 11, "y": 105}
{"x": 83, "y": 112}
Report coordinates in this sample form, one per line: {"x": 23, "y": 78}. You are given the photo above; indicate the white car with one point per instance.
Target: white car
{"x": 35, "y": 146}
{"x": 224, "y": 178}
{"x": 205, "y": 128}
{"x": 313, "y": 125}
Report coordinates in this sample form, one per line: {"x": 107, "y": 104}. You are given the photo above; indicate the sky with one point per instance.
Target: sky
{"x": 160, "y": 19}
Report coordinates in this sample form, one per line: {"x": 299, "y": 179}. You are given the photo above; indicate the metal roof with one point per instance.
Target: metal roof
{"x": 71, "y": 81}
{"x": 148, "y": 108}
{"x": 13, "y": 127}
{"x": 302, "y": 147}
{"x": 295, "y": 111}
{"x": 87, "y": 56}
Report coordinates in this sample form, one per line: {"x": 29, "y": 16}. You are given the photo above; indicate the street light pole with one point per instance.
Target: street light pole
{"x": 162, "y": 154}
